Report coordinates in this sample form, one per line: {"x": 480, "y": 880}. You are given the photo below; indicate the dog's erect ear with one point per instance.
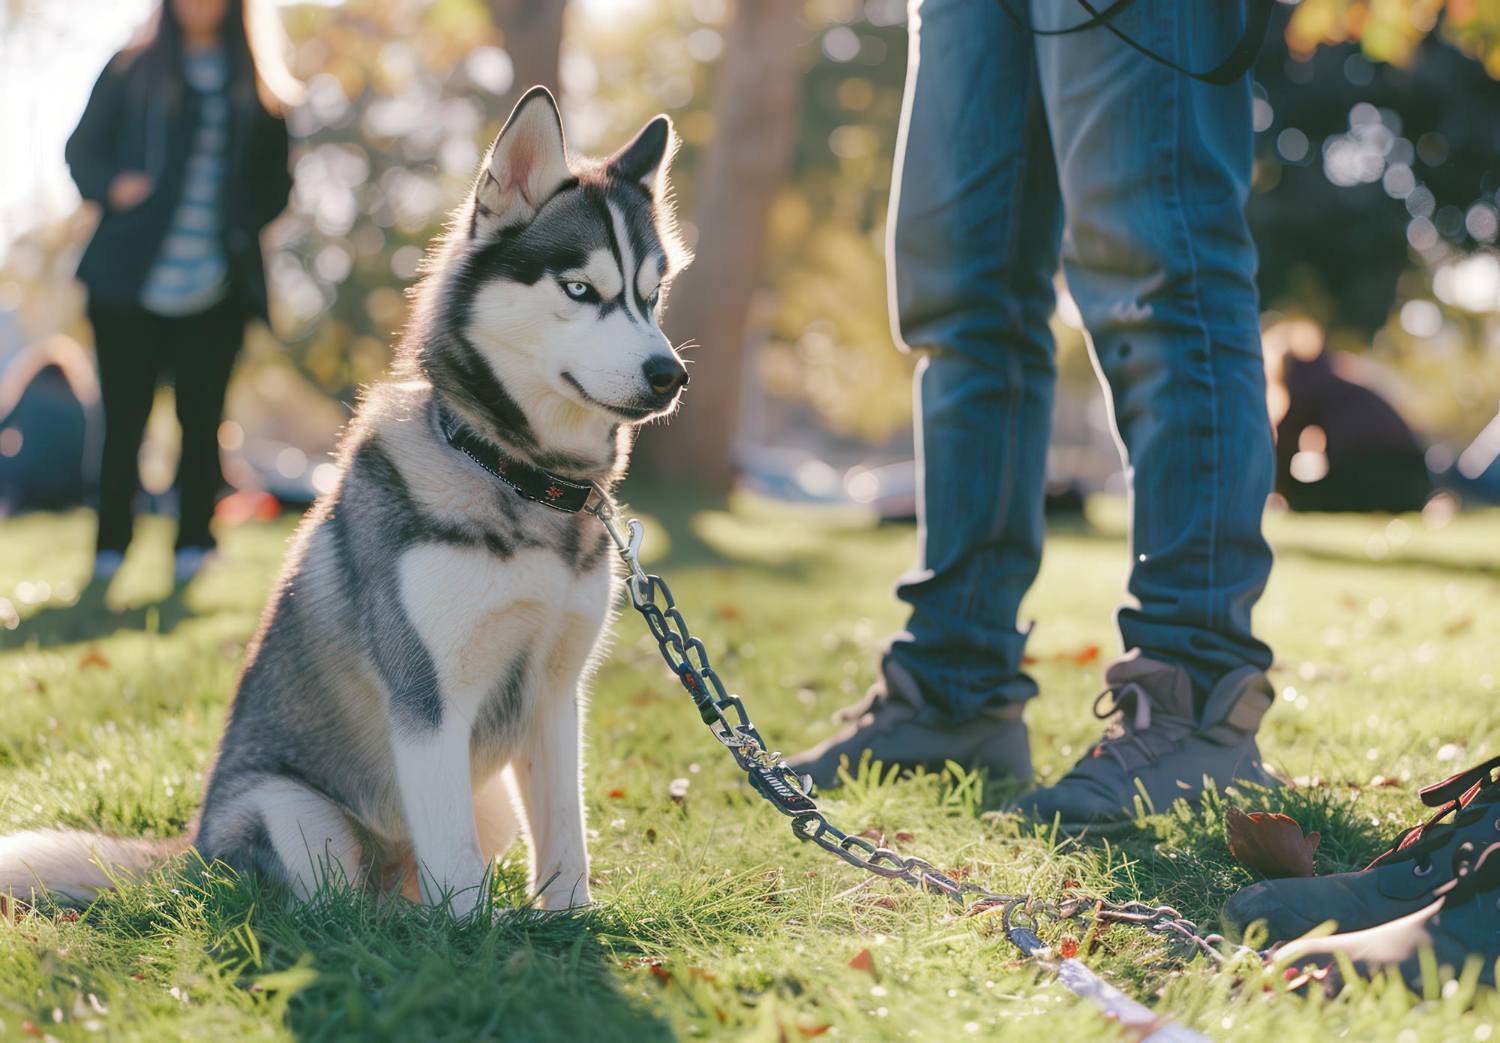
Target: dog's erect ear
{"x": 526, "y": 165}
{"x": 648, "y": 155}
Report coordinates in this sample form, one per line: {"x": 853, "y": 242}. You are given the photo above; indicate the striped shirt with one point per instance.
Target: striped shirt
{"x": 191, "y": 273}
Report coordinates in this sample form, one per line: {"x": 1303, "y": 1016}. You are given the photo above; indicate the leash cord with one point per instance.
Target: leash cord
{"x": 792, "y": 795}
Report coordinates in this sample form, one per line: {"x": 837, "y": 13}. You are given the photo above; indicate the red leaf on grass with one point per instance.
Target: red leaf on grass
{"x": 616, "y": 794}
{"x": 1068, "y": 947}
{"x": 863, "y": 962}
{"x": 92, "y": 658}
{"x": 1081, "y": 656}
{"x": 813, "y": 1030}
{"x": 31, "y": 1030}
{"x": 1272, "y": 845}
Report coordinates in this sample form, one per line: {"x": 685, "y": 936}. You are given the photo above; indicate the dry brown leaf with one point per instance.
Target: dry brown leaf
{"x": 1270, "y": 844}
{"x": 93, "y": 657}
{"x": 863, "y": 961}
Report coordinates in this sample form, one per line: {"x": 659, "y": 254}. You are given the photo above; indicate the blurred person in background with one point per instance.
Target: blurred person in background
{"x": 183, "y": 147}
{"x": 1018, "y": 149}
{"x": 1340, "y": 446}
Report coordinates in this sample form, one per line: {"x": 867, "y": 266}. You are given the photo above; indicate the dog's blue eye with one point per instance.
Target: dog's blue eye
{"x": 577, "y": 290}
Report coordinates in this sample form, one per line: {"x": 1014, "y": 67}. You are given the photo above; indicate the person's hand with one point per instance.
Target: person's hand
{"x": 128, "y": 189}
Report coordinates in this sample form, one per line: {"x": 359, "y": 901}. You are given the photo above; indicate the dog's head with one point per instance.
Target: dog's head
{"x": 556, "y": 271}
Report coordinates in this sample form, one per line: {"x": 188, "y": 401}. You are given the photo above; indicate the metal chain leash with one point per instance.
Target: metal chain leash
{"x": 730, "y": 724}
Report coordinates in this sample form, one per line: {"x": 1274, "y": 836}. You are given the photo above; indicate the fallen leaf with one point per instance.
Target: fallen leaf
{"x": 616, "y": 794}
{"x": 904, "y": 837}
{"x": 863, "y": 961}
{"x": 728, "y": 611}
{"x": 873, "y": 834}
{"x": 1270, "y": 844}
{"x": 1082, "y": 656}
{"x": 813, "y": 1030}
{"x": 31, "y": 1030}
{"x": 661, "y": 972}
{"x": 1068, "y": 947}
{"x": 92, "y": 658}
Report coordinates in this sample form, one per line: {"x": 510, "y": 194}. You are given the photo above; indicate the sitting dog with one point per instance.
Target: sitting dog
{"x": 415, "y": 694}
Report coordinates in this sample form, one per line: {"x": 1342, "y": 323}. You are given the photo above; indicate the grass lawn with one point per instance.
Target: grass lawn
{"x": 713, "y": 921}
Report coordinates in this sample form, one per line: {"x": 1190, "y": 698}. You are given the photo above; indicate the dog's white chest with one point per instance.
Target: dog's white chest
{"x": 488, "y": 621}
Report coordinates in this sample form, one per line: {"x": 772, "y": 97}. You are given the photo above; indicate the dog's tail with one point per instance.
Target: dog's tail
{"x": 73, "y": 864}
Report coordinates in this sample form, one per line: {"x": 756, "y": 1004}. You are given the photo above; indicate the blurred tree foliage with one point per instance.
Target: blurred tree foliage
{"x": 1370, "y": 164}
{"x": 1377, "y": 173}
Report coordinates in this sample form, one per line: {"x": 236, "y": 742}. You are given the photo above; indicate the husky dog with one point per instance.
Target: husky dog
{"x": 415, "y": 694}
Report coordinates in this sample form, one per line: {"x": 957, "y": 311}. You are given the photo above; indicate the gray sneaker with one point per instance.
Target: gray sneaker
{"x": 894, "y": 725}
{"x": 1396, "y": 884}
{"x": 1156, "y": 747}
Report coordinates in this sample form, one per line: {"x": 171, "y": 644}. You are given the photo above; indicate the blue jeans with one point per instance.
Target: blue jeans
{"x": 1017, "y": 151}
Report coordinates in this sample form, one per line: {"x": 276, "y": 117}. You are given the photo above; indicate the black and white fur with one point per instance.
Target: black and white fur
{"x": 416, "y": 692}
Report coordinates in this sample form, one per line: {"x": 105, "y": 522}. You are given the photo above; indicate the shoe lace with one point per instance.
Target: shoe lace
{"x": 1137, "y": 732}
{"x": 1460, "y": 800}
{"x": 1476, "y": 869}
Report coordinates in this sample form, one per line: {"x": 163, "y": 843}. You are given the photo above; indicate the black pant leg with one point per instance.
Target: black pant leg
{"x": 127, "y": 343}
{"x": 203, "y": 350}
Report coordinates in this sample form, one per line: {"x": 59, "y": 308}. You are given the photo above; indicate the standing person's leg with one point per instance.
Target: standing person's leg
{"x": 1155, "y": 170}
{"x": 975, "y": 223}
{"x": 125, "y": 343}
{"x": 204, "y": 348}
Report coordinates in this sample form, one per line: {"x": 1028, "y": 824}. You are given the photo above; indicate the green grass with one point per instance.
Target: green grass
{"x": 713, "y": 921}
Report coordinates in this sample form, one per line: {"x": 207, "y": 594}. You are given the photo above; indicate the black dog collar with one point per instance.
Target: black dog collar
{"x": 544, "y": 487}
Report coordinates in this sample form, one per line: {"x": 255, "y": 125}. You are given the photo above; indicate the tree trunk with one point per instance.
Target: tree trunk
{"x": 532, "y": 31}
{"x": 756, "y": 123}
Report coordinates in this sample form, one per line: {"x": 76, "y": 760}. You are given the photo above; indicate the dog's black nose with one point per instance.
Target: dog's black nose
{"x": 665, "y": 374}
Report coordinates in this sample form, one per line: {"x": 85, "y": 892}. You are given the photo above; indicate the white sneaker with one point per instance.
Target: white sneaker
{"x": 189, "y": 561}
{"x": 106, "y": 564}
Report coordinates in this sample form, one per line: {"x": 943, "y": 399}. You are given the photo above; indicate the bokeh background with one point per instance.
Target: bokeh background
{"x": 1376, "y": 196}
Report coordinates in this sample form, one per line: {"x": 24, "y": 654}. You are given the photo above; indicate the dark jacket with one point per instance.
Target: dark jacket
{"x": 129, "y": 126}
